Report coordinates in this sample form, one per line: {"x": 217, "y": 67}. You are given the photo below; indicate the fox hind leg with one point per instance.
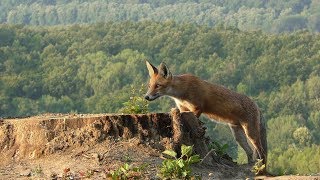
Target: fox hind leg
{"x": 241, "y": 138}
{"x": 253, "y": 135}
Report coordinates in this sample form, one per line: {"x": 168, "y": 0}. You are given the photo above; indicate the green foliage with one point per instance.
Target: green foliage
{"x": 127, "y": 158}
{"x": 219, "y": 149}
{"x": 302, "y": 136}
{"x": 290, "y": 23}
{"x": 270, "y": 16}
{"x": 90, "y": 69}
{"x": 37, "y": 171}
{"x": 136, "y": 104}
{"x": 295, "y": 160}
{"x": 89, "y": 173}
{"x": 258, "y": 167}
{"x": 127, "y": 171}
{"x": 281, "y": 131}
{"x": 179, "y": 168}
{"x": 221, "y": 134}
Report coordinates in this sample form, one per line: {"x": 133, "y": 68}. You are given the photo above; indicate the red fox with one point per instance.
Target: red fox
{"x": 190, "y": 93}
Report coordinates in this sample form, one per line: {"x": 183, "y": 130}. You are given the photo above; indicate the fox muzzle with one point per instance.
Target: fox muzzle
{"x": 152, "y": 97}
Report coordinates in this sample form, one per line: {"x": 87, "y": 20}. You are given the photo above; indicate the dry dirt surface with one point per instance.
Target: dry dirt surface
{"x": 90, "y": 146}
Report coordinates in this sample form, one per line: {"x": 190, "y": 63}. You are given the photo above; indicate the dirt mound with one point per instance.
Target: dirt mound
{"x": 53, "y": 145}
{"x": 47, "y": 134}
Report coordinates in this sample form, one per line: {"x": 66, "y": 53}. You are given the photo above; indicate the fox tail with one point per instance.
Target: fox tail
{"x": 263, "y": 137}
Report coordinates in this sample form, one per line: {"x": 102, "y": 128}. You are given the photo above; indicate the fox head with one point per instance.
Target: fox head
{"x": 159, "y": 83}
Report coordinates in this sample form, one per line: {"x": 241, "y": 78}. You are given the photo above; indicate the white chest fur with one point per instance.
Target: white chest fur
{"x": 184, "y": 105}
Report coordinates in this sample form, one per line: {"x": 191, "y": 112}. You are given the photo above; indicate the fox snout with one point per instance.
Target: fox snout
{"x": 151, "y": 97}
{"x": 147, "y": 97}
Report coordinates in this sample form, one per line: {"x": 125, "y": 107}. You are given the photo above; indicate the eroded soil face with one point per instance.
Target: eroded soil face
{"x": 58, "y": 146}
{"x": 43, "y": 135}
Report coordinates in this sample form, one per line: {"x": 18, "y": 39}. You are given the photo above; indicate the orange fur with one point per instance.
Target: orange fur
{"x": 217, "y": 102}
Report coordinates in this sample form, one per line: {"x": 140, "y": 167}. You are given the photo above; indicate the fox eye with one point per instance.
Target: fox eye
{"x": 158, "y": 85}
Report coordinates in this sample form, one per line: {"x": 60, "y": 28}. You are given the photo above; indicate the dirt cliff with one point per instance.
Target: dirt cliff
{"x": 91, "y": 145}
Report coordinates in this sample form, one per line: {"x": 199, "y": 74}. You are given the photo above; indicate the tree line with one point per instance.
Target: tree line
{"x": 91, "y": 68}
{"x": 268, "y": 15}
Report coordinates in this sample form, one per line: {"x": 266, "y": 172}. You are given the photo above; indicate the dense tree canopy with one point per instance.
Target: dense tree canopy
{"x": 267, "y": 15}
{"x": 90, "y": 69}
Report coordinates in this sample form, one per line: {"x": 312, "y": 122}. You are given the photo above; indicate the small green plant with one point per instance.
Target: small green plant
{"x": 37, "y": 171}
{"x": 127, "y": 171}
{"x": 127, "y": 158}
{"x": 219, "y": 149}
{"x": 136, "y": 104}
{"x": 89, "y": 173}
{"x": 258, "y": 167}
{"x": 179, "y": 168}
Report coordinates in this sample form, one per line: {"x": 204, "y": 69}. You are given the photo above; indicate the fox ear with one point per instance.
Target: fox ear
{"x": 164, "y": 71}
{"x": 152, "y": 70}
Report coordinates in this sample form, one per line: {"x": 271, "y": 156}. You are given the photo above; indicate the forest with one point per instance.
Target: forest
{"x": 92, "y": 68}
{"x": 272, "y": 16}
{"x": 86, "y": 56}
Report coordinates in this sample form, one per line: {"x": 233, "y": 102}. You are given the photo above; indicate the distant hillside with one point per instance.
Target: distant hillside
{"x": 267, "y": 15}
{"x": 92, "y": 69}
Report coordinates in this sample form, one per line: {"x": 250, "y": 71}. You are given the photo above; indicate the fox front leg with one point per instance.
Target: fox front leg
{"x": 186, "y": 107}
{"x": 183, "y": 108}
{"x": 197, "y": 112}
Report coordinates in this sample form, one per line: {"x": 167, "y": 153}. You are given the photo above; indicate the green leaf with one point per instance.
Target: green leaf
{"x": 225, "y": 146}
{"x": 184, "y": 174}
{"x": 123, "y": 170}
{"x": 180, "y": 163}
{"x": 170, "y": 153}
{"x": 186, "y": 150}
{"x": 126, "y": 166}
{"x": 218, "y": 145}
{"x": 169, "y": 164}
{"x": 194, "y": 159}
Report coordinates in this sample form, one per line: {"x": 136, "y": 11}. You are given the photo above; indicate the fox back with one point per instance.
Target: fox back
{"x": 193, "y": 94}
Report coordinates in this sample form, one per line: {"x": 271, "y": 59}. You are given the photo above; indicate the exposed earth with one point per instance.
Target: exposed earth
{"x": 90, "y": 146}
